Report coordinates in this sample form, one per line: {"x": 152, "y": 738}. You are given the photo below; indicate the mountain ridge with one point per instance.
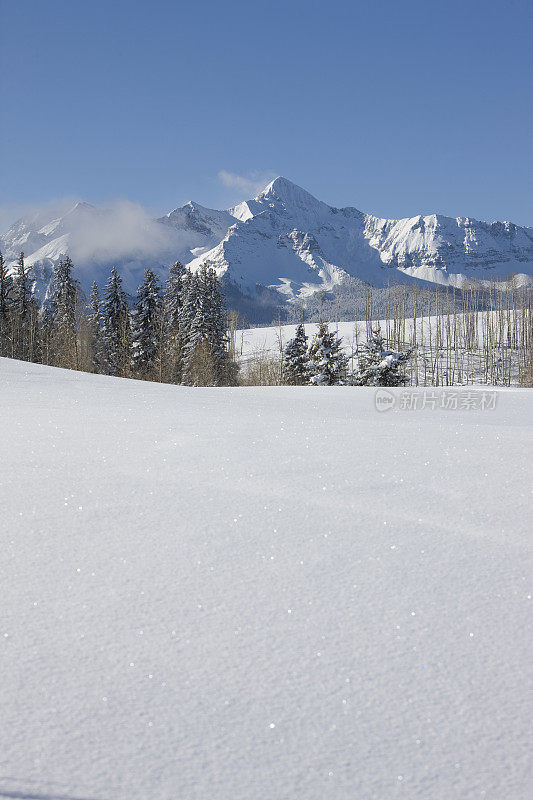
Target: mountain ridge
{"x": 284, "y": 241}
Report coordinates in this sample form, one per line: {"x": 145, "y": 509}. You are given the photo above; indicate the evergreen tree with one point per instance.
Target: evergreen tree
{"x": 203, "y": 324}
{"x": 173, "y": 334}
{"x": 224, "y": 368}
{"x": 47, "y": 335}
{"x": 63, "y": 306}
{"x": 378, "y": 366}
{"x": 146, "y": 333}
{"x": 24, "y": 317}
{"x": 173, "y": 295}
{"x": 94, "y": 324}
{"x": 22, "y": 288}
{"x": 116, "y": 330}
{"x": 328, "y": 363}
{"x": 6, "y": 290}
{"x": 296, "y": 365}
{"x": 197, "y": 369}
{"x": 34, "y": 332}
{"x": 188, "y": 306}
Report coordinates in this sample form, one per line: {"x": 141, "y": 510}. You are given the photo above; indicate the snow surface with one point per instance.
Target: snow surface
{"x": 261, "y": 593}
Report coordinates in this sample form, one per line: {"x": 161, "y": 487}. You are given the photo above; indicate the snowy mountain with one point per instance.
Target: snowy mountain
{"x": 290, "y": 241}
{"x": 284, "y": 240}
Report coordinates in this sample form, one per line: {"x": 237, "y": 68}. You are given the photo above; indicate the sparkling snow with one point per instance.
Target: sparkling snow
{"x": 261, "y": 593}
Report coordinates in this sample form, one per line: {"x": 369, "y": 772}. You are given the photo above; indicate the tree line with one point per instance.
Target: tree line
{"x": 175, "y": 333}
{"x": 178, "y": 333}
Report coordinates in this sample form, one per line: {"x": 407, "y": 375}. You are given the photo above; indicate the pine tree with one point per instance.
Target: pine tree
{"x": 378, "y": 366}
{"x": 34, "y": 332}
{"x": 173, "y": 329}
{"x": 203, "y": 325}
{"x": 197, "y": 367}
{"x": 224, "y": 367}
{"x": 328, "y": 363}
{"x": 22, "y": 287}
{"x": 116, "y": 330}
{"x": 47, "y": 335}
{"x": 63, "y": 306}
{"x": 146, "y": 332}
{"x": 173, "y": 295}
{"x": 24, "y": 317}
{"x": 94, "y": 324}
{"x": 296, "y": 365}
{"x": 6, "y": 290}
{"x": 188, "y": 305}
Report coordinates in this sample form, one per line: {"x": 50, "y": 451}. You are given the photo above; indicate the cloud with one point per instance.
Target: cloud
{"x": 122, "y": 230}
{"x": 126, "y": 235}
{"x": 119, "y": 230}
{"x": 121, "y": 233}
{"x": 248, "y": 185}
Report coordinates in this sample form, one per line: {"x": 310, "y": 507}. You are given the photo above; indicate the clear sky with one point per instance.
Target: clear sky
{"x": 396, "y": 107}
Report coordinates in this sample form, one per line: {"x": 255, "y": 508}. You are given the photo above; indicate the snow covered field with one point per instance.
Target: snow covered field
{"x": 444, "y": 352}
{"x": 252, "y": 341}
{"x": 261, "y": 593}
{"x": 266, "y": 340}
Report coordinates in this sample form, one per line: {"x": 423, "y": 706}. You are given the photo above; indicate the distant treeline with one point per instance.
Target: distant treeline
{"x": 353, "y": 299}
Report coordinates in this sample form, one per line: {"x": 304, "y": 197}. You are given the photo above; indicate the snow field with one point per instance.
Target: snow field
{"x": 261, "y": 593}
{"x": 266, "y": 340}
{"x": 455, "y": 364}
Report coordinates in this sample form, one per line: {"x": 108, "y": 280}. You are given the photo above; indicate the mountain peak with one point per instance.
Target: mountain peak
{"x": 284, "y": 189}
{"x": 291, "y": 197}
{"x": 80, "y": 207}
{"x": 279, "y": 184}
{"x": 82, "y": 204}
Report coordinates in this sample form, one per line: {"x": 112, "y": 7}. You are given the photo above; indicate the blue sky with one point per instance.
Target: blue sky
{"x": 394, "y": 107}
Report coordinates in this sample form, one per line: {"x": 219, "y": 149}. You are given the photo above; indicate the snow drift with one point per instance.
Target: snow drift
{"x": 261, "y": 593}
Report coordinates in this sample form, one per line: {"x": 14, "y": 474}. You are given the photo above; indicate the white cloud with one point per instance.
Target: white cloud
{"x": 122, "y": 233}
{"x": 122, "y": 230}
{"x": 248, "y": 185}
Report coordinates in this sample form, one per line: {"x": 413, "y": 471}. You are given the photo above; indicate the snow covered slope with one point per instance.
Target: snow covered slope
{"x": 261, "y": 593}
{"x": 284, "y": 239}
{"x": 297, "y": 244}
{"x": 210, "y": 226}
